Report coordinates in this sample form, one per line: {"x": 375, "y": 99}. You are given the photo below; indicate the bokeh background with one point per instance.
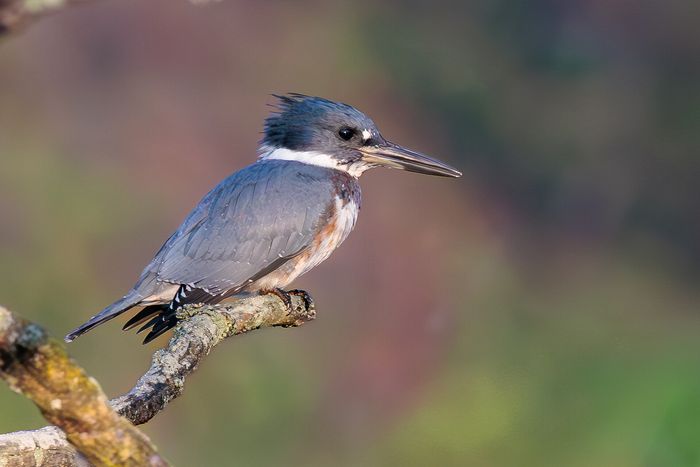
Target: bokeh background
{"x": 542, "y": 310}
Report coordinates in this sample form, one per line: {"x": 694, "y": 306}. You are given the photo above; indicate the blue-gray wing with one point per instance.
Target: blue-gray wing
{"x": 254, "y": 220}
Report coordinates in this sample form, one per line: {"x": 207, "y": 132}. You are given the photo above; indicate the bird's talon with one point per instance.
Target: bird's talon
{"x": 308, "y": 301}
{"x": 284, "y": 296}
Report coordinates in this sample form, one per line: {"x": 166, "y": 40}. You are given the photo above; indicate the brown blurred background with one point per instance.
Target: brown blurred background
{"x": 541, "y": 310}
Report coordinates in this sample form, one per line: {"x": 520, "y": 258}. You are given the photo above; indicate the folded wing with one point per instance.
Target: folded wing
{"x": 256, "y": 219}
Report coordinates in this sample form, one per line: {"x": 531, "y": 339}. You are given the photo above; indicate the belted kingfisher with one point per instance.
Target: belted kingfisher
{"x": 267, "y": 224}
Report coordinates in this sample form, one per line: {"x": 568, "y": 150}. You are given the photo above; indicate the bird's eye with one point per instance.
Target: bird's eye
{"x": 346, "y": 133}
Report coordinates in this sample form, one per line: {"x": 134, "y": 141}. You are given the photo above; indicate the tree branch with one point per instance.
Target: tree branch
{"x": 39, "y": 368}
{"x": 201, "y": 329}
{"x": 15, "y": 13}
{"x": 47, "y": 446}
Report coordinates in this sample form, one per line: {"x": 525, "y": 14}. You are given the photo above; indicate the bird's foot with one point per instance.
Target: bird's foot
{"x": 284, "y": 296}
{"x": 308, "y": 301}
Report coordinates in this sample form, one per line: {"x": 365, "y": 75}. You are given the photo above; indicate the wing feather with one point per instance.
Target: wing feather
{"x": 259, "y": 217}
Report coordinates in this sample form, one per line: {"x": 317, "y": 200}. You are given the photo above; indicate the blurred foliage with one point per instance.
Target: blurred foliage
{"x": 543, "y": 310}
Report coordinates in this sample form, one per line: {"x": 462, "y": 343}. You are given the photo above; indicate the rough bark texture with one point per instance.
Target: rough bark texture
{"x": 202, "y": 328}
{"x": 47, "y": 446}
{"x": 59, "y": 397}
{"x": 88, "y": 427}
{"x": 39, "y": 368}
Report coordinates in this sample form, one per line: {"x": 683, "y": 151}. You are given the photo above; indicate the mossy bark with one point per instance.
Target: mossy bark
{"x": 39, "y": 368}
{"x": 201, "y": 329}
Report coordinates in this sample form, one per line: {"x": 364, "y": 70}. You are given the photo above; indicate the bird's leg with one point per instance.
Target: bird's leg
{"x": 283, "y": 295}
{"x": 308, "y": 301}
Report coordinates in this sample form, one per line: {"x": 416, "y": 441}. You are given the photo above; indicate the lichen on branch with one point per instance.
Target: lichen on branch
{"x": 39, "y": 368}
{"x": 201, "y": 329}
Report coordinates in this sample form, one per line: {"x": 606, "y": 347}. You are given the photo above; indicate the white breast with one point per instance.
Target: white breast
{"x": 338, "y": 230}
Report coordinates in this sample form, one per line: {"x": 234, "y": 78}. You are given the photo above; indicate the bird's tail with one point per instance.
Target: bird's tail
{"x": 115, "y": 309}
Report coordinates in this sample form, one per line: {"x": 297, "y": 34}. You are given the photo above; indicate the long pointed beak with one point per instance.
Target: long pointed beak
{"x": 388, "y": 154}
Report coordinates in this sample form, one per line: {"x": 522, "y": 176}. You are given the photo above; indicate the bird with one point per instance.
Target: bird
{"x": 272, "y": 221}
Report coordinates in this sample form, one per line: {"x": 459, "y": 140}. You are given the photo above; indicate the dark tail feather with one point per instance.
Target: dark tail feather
{"x": 115, "y": 309}
{"x": 143, "y": 315}
{"x": 167, "y": 315}
{"x": 167, "y": 319}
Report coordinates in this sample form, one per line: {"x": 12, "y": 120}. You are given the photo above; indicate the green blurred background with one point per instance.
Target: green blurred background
{"x": 541, "y": 310}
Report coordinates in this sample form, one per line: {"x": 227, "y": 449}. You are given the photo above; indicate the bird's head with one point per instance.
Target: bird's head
{"x": 331, "y": 134}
